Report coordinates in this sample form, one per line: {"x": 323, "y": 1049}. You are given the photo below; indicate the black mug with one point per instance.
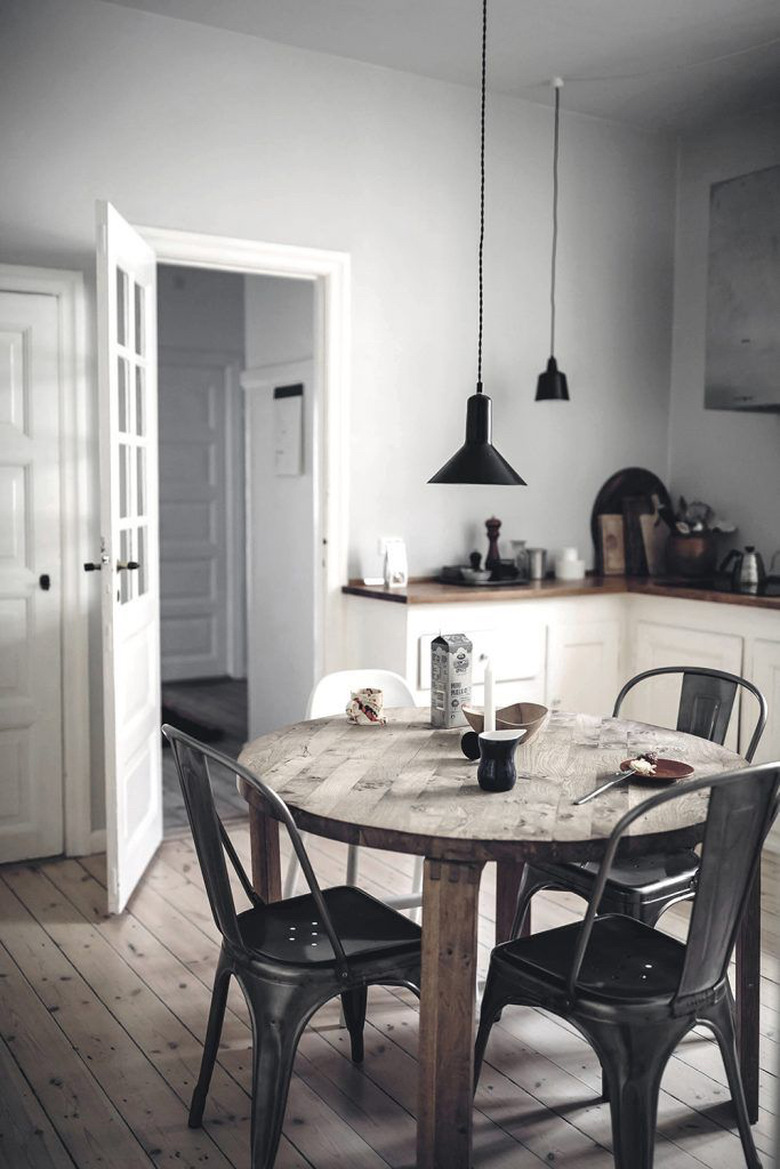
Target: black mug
{"x": 496, "y": 771}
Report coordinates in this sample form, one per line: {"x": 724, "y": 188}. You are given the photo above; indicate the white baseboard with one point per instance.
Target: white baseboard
{"x": 96, "y": 842}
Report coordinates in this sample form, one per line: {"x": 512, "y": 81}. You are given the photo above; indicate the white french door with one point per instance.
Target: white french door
{"x": 127, "y": 360}
{"x": 31, "y": 812}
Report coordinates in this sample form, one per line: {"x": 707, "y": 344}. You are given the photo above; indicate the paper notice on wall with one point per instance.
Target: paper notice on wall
{"x": 288, "y": 429}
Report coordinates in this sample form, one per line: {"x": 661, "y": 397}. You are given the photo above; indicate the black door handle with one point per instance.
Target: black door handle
{"x": 91, "y": 567}
{"x": 44, "y": 580}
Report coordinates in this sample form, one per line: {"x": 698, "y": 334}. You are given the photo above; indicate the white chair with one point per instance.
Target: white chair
{"x": 330, "y": 696}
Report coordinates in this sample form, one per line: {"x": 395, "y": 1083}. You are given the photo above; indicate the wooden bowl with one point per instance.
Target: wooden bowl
{"x": 529, "y": 716}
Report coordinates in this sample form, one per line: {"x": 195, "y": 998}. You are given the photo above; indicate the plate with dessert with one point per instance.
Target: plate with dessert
{"x": 650, "y": 768}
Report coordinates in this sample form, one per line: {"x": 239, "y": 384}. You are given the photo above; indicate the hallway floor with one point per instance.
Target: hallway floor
{"x": 207, "y": 704}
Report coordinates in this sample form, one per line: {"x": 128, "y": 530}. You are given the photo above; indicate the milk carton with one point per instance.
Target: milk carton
{"x": 450, "y": 679}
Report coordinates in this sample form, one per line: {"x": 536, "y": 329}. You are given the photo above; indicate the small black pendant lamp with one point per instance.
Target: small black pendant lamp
{"x": 478, "y": 461}
{"x": 552, "y": 384}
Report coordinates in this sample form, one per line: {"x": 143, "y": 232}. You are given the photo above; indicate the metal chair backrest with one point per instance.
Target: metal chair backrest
{"x": 742, "y": 807}
{"x": 333, "y": 691}
{"x": 213, "y": 844}
{"x": 706, "y": 701}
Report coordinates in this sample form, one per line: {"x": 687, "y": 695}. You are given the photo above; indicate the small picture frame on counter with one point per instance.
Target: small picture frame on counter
{"x": 612, "y": 545}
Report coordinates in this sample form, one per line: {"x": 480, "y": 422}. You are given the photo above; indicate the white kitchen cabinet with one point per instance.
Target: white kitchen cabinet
{"x": 765, "y": 673}
{"x": 583, "y": 659}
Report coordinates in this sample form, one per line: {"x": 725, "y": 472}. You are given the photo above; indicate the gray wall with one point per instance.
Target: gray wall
{"x": 732, "y": 460}
{"x": 191, "y": 127}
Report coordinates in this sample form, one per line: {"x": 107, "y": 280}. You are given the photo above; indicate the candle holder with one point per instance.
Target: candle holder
{"x": 496, "y": 771}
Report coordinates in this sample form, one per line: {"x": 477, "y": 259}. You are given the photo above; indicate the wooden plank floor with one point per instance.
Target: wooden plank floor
{"x": 101, "y": 1023}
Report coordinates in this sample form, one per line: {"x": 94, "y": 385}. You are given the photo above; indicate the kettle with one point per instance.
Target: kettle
{"x": 745, "y": 569}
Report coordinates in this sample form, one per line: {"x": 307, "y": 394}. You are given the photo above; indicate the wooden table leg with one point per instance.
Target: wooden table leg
{"x": 266, "y": 860}
{"x": 749, "y": 996}
{"x": 446, "y": 1049}
{"x": 508, "y": 877}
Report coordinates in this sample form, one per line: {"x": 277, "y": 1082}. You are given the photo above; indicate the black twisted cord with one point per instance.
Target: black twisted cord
{"x": 556, "y": 141}
{"x": 482, "y": 190}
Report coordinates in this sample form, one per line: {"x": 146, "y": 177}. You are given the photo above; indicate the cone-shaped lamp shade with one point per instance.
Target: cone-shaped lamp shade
{"x": 552, "y": 384}
{"x": 478, "y": 461}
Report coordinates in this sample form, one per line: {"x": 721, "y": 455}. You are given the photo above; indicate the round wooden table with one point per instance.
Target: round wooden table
{"x": 407, "y": 787}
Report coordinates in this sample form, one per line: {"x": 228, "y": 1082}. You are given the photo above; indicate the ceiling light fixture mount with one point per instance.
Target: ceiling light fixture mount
{"x": 552, "y": 385}
{"x": 478, "y": 461}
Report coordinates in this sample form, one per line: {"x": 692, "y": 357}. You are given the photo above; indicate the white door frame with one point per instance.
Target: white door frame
{"x": 330, "y": 272}
{"x": 76, "y": 460}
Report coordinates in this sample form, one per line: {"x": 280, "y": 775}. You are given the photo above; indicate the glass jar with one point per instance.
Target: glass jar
{"x": 522, "y": 559}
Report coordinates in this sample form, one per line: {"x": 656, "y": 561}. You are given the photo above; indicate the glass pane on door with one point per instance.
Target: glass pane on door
{"x": 140, "y": 340}
{"x": 125, "y": 575}
{"x": 142, "y": 575}
{"x": 121, "y": 306}
{"x": 123, "y": 395}
{"x": 140, "y": 401}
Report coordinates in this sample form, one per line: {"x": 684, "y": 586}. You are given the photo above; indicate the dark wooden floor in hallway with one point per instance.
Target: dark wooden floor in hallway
{"x": 211, "y": 702}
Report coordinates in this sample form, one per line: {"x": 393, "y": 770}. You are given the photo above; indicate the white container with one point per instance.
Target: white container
{"x": 569, "y": 569}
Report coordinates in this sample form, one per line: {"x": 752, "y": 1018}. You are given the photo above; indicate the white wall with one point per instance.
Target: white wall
{"x": 194, "y": 128}
{"x": 730, "y": 459}
{"x": 280, "y": 511}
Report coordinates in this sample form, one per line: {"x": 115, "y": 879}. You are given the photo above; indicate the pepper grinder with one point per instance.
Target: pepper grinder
{"x": 493, "y": 558}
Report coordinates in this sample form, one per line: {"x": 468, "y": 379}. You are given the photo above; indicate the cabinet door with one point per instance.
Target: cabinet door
{"x": 766, "y": 675}
{"x": 657, "y": 700}
{"x": 582, "y": 666}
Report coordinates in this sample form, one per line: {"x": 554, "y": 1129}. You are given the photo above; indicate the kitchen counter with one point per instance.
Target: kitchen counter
{"x": 433, "y": 592}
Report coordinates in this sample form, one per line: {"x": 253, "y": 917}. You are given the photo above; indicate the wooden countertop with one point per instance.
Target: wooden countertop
{"x": 433, "y": 592}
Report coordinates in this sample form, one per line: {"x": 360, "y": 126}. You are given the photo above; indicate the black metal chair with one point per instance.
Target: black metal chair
{"x": 633, "y": 991}
{"x": 289, "y": 957}
{"x": 646, "y": 886}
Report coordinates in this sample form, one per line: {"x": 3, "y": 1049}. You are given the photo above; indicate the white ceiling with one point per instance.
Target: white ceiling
{"x": 635, "y": 60}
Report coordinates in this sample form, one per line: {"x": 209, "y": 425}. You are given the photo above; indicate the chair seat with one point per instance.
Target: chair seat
{"x": 290, "y": 931}
{"x": 625, "y": 960}
{"x": 654, "y": 873}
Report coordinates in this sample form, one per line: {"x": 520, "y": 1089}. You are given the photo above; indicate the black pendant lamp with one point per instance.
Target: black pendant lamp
{"x": 552, "y": 385}
{"x": 478, "y": 461}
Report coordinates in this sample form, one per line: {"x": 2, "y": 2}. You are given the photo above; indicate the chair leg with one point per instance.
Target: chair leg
{"x": 531, "y": 882}
{"x": 417, "y": 884}
{"x": 720, "y": 1019}
{"x": 353, "y": 855}
{"x": 278, "y": 1013}
{"x": 633, "y": 1062}
{"x": 219, "y": 995}
{"x": 495, "y": 997}
{"x": 353, "y": 1004}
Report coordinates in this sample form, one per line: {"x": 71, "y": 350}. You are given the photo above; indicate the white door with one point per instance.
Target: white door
{"x": 127, "y": 357}
{"x": 30, "y": 689}
{"x": 194, "y": 410}
{"x": 281, "y": 534}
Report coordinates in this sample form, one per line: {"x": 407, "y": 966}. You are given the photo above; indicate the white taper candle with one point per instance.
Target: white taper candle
{"x": 490, "y": 699}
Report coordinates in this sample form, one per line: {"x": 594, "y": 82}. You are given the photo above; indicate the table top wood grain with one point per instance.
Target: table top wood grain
{"x": 406, "y": 786}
